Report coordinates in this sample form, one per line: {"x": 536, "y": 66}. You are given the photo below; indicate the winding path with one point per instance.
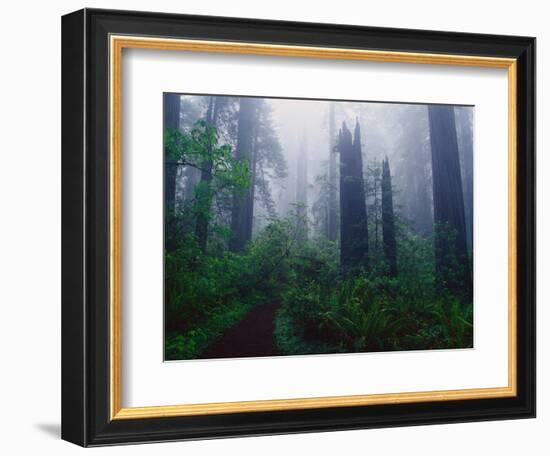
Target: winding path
{"x": 252, "y": 336}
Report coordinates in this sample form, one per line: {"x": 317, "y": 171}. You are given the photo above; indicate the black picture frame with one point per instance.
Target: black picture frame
{"x": 85, "y": 225}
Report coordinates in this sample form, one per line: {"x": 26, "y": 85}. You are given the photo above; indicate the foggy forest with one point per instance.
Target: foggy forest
{"x": 299, "y": 227}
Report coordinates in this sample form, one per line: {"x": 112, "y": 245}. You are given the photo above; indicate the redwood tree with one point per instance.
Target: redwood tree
{"x": 332, "y": 228}
{"x": 451, "y": 255}
{"x": 353, "y": 212}
{"x": 243, "y": 204}
{"x": 172, "y": 112}
{"x": 301, "y": 191}
{"x": 203, "y": 191}
{"x": 388, "y": 220}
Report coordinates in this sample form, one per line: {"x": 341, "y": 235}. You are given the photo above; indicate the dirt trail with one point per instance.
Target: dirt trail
{"x": 252, "y": 336}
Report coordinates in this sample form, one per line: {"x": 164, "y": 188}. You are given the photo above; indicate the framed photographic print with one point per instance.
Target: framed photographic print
{"x": 278, "y": 227}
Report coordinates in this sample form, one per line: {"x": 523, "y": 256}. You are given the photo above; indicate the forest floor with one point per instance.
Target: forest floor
{"x": 252, "y": 336}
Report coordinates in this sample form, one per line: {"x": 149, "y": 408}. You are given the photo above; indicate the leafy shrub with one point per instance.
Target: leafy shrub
{"x": 373, "y": 312}
{"x": 190, "y": 344}
{"x": 206, "y": 294}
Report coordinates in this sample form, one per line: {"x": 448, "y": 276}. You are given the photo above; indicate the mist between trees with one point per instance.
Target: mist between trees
{"x": 351, "y": 222}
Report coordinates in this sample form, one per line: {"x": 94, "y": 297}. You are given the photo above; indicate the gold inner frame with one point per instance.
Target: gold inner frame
{"x": 117, "y": 44}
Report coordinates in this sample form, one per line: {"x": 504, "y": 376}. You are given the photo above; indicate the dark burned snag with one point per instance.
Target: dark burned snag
{"x": 353, "y": 211}
{"x": 332, "y": 228}
{"x": 388, "y": 220}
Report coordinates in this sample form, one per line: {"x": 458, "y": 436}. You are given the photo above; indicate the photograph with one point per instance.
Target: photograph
{"x": 272, "y": 226}
{"x": 315, "y": 227}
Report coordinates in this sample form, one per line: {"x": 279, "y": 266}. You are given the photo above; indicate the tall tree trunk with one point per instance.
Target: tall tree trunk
{"x": 192, "y": 178}
{"x": 332, "y": 202}
{"x": 376, "y": 215}
{"x": 353, "y": 212}
{"x": 464, "y": 128}
{"x": 451, "y": 255}
{"x": 204, "y": 191}
{"x": 422, "y": 204}
{"x": 301, "y": 192}
{"x": 241, "y": 213}
{"x": 416, "y": 199}
{"x": 388, "y": 220}
{"x": 172, "y": 111}
{"x": 249, "y": 217}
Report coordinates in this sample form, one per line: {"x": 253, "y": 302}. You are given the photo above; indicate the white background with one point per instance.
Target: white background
{"x": 30, "y": 240}
{"x": 147, "y": 74}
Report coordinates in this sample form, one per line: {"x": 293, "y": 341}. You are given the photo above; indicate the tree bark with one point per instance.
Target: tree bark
{"x": 423, "y": 217}
{"x": 466, "y": 153}
{"x": 388, "y": 220}
{"x": 204, "y": 196}
{"x": 417, "y": 203}
{"x": 451, "y": 255}
{"x": 249, "y": 217}
{"x": 241, "y": 213}
{"x": 172, "y": 112}
{"x": 376, "y": 216}
{"x": 301, "y": 192}
{"x": 332, "y": 203}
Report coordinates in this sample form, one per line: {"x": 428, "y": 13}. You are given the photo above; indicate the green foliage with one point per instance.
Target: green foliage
{"x": 220, "y": 172}
{"x": 200, "y": 149}
{"x": 209, "y": 289}
{"x": 190, "y": 344}
{"x": 197, "y": 284}
{"x": 291, "y": 339}
{"x": 372, "y": 314}
{"x": 205, "y": 294}
{"x": 323, "y": 312}
{"x": 453, "y": 263}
